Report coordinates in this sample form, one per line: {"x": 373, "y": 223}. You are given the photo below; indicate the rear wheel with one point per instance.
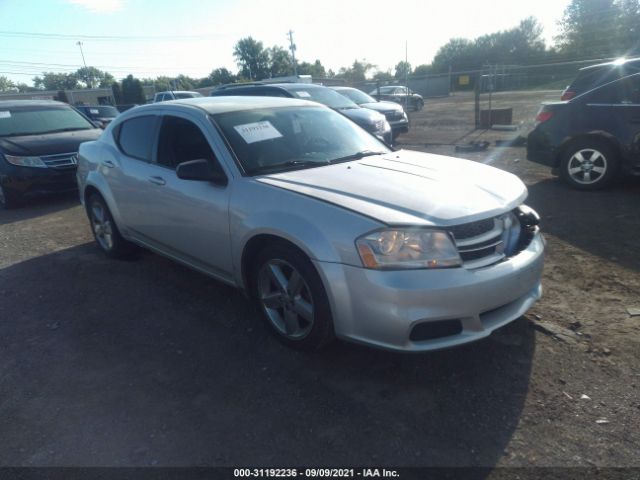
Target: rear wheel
{"x": 290, "y": 295}
{"x": 589, "y": 165}
{"x": 105, "y": 230}
{"x": 8, "y": 198}
{"x": 418, "y": 104}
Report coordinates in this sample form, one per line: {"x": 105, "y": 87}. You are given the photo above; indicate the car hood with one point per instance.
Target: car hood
{"x": 47, "y": 144}
{"x": 409, "y": 188}
{"x": 383, "y": 106}
{"x": 362, "y": 116}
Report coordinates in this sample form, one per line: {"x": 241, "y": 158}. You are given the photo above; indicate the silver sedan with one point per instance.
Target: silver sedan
{"x": 332, "y": 233}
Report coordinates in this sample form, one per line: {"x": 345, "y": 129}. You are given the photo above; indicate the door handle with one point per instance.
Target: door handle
{"x": 157, "y": 180}
{"x": 108, "y": 163}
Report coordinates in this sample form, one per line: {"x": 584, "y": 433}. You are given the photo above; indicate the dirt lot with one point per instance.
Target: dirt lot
{"x": 148, "y": 363}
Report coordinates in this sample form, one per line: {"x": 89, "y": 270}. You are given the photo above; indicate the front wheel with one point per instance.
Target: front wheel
{"x": 292, "y": 298}
{"x": 105, "y": 230}
{"x": 589, "y": 165}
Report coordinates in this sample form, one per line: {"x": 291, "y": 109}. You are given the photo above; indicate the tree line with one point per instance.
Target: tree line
{"x": 588, "y": 29}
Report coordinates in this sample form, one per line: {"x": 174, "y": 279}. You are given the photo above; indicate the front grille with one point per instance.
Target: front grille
{"x": 393, "y": 115}
{"x": 488, "y": 241}
{"x": 61, "y": 161}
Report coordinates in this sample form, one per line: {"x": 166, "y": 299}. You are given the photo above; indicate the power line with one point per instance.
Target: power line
{"x": 66, "y": 36}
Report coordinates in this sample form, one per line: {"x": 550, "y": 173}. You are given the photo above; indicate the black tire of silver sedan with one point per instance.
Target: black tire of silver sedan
{"x": 8, "y": 199}
{"x": 105, "y": 230}
{"x": 589, "y": 165}
{"x": 290, "y": 295}
{"x": 418, "y": 105}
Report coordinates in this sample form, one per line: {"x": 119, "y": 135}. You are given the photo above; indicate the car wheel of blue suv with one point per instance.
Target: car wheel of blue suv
{"x": 589, "y": 165}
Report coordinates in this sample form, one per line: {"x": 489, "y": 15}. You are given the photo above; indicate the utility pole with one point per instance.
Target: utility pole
{"x": 406, "y": 75}
{"x": 292, "y": 47}
{"x": 85, "y": 64}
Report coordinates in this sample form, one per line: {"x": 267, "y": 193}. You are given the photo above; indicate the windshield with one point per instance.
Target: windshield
{"x": 186, "y": 95}
{"x": 39, "y": 120}
{"x": 357, "y": 96}
{"x": 102, "y": 112}
{"x": 287, "y": 138}
{"x": 326, "y": 96}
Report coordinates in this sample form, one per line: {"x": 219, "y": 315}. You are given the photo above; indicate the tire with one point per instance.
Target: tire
{"x": 589, "y": 165}
{"x": 8, "y": 198}
{"x": 105, "y": 231}
{"x": 418, "y": 105}
{"x": 291, "y": 297}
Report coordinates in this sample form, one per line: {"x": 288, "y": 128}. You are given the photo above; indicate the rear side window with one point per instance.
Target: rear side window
{"x": 135, "y": 137}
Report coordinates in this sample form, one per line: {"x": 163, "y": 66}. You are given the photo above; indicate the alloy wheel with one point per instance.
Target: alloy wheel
{"x": 587, "y": 166}
{"x": 286, "y": 299}
{"x": 102, "y": 228}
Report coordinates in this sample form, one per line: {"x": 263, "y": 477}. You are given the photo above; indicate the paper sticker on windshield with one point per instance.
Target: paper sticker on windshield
{"x": 5, "y": 114}
{"x": 257, "y": 132}
{"x": 94, "y": 111}
{"x": 303, "y": 94}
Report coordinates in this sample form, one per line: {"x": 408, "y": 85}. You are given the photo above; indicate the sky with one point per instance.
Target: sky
{"x": 163, "y": 37}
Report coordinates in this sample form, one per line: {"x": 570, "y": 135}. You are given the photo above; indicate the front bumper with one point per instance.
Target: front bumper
{"x": 382, "y": 309}
{"x": 25, "y": 181}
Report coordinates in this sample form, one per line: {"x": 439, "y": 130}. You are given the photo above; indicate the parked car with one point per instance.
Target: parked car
{"x": 39, "y": 142}
{"x": 591, "y": 77}
{"x": 592, "y": 138}
{"x": 174, "y": 95}
{"x": 372, "y": 122}
{"x": 99, "y": 114}
{"x": 329, "y": 230}
{"x": 125, "y": 107}
{"x": 402, "y": 95}
{"x": 393, "y": 112}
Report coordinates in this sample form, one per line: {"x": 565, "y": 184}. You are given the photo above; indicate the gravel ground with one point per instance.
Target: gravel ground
{"x": 108, "y": 363}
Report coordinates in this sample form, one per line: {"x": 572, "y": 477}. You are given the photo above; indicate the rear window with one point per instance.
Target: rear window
{"x": 187, "y": 95}
{"x": 40, "y": 120}
{"x": 326, "y": 96}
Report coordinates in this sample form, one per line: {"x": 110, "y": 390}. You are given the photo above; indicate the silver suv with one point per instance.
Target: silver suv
{"x": 330, "y": 231}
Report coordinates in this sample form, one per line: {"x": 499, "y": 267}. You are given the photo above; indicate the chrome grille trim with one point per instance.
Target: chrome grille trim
{"x": 483, "y": 243}
{"x": 61, "y": 161}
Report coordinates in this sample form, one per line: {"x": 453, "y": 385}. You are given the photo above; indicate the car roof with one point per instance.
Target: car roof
{"x": 230, "y": 103}
{"x": 31, "y": 103}
{"x": 284, "y": 85}
{"x": 615, "y": 63}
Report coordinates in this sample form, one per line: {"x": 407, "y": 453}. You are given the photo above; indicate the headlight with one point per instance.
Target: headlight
{"x": 35, "y": 162}
{"x": 393, "y": 249}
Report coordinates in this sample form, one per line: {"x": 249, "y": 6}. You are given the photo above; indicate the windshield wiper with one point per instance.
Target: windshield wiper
{"x": 289, "y": 163}
{"x": 356, "y": 156}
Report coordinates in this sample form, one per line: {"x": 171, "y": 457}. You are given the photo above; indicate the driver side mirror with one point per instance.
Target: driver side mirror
{"x": 201, "y": 170}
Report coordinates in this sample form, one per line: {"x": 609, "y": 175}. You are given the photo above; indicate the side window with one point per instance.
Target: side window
{"x": 135, "y": 137}
{"x": 180, "y": 141}
{"x": 631, "y": 90}
{"x": 608, "y": 94}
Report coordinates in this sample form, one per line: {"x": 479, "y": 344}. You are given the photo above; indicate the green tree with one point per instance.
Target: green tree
{"x": 252, "y": 59}
{"x": 383, "y": 76}
{"x": 629, "y": 27}
{"x": 91, "y": 77}
{"x": 315, "y": 69}
{"x": 422, "y": 70}
{"x": 6, "y": 84}
{"x": 132, "y": 91}
{"x": 280, "y": 62}
{"x": 56, "y": 81}
{"x": 219, "y": 76}
{"x": 403, "y": 69}
{"x": 357, "y": 72}
{"x": 589, "y": 29}
{"x": 117, "y": 93}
